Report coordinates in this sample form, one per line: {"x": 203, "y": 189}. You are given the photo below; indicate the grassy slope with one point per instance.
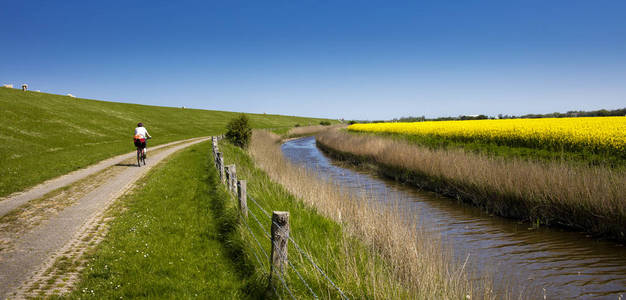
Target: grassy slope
{"x": 43, "y": 135}
{"x": 165, "y": 241}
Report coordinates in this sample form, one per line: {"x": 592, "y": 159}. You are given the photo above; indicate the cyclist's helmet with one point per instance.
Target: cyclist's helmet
{"x": 139, "y": 124}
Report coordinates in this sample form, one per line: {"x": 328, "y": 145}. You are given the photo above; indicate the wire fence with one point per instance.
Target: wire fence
{"x": 302, "y": 252}
{"x": 258, "y": 248}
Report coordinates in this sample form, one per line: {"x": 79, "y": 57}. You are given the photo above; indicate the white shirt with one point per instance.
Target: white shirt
{"x": 142, "y": 131}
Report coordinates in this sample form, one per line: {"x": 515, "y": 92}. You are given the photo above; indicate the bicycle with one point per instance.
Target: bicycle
{"x": 141, "y": 156}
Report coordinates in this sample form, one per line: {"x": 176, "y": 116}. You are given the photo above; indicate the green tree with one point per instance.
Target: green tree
{"x": 238, "y": 131}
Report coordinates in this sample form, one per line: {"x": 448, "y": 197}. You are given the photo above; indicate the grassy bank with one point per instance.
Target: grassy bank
{"x": 344, "y": 259}
{"x": 173, "y": 237}
{"x": 585, "y": 198}
{"x": 297, "y": 132}
{"x": 369, "y": 249}
{"x": 43, "y": 135}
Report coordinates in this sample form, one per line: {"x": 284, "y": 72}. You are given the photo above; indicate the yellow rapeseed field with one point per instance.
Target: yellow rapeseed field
{"x": 594, "y": 134}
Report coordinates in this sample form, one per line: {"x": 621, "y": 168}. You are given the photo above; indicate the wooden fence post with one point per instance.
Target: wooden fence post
{"x": 243, "y": 200}
{"x": 220, "y": 163}
{"x": 233, "y": 179}
{"x": 216, "y": 160}
{"x": 217, "y": 154}
{"x": 280, "y": 239}
{"x": 227, "y": 177}
{"x": 214, "y": 148}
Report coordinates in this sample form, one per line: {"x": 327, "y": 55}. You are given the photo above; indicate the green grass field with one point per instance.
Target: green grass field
{"x": 43, "y": 135}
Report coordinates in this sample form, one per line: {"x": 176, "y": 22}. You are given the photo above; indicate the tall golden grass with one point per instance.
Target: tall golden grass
{"x": 309, "y": 130}
{"x": 588, "y": 198}
{"x": 416, "y": 259}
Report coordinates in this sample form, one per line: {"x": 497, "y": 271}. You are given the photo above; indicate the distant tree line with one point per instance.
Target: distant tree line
{"x": 569, "y": 114}
{"x": 572, "y": 114}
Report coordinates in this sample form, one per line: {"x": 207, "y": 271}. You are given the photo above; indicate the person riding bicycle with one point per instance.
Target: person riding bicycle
{"x": 141, "y": 135}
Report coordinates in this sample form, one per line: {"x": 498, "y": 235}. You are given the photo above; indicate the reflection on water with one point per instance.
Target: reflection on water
{"x": 556, "y": 262}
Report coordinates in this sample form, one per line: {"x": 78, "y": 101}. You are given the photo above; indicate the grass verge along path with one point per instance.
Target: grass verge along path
{"x": 32, "y": 250}
{"x": 165, "y": 242}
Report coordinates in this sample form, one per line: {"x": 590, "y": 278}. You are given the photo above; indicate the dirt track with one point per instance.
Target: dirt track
{"x": 36, "y": 249}
{"x": 13, "y": 201}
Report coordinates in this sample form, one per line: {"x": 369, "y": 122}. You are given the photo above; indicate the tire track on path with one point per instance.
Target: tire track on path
{"x": 33, "y": 251}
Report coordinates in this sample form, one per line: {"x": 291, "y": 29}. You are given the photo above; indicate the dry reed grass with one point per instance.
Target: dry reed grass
{"x": 416, "y": 259}
{"x": 589, "y": 198}
{"x": 309, "y": 130}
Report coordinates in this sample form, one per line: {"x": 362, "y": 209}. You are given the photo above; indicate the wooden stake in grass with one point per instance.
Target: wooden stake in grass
{"x": 243, "y": 201}
{"x": 215, "y": 160}
{"x": 232, "y": 185}
{"x": 227, "y": 177}
{"x": 220, "y": 163}
{"x": 215, "y": 149}
{"x": 280, "y": 239}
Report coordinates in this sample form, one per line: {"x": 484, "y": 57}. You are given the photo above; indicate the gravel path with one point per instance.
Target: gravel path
{"x": 33, "y": 249}
{"x": 14, "y": 200}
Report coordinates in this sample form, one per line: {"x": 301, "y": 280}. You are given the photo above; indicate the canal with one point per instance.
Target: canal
{"x": 522, "y": 259}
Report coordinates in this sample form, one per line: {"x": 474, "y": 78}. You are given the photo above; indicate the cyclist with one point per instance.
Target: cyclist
{"x": 141, "y": 135}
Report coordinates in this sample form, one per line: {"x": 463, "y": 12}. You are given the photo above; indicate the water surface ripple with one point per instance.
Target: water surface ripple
{"x": 554, "y": 262}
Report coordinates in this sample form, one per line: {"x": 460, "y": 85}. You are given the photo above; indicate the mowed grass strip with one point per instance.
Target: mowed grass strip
{"x": 43, "y": 136}
{"x": 165, "y": 241}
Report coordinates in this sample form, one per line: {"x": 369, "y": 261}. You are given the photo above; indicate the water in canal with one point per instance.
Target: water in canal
{"x": 554, "y": 262}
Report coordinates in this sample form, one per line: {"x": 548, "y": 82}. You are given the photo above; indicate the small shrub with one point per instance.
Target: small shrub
{"x": 238, "y": 131}
{"x": 297, "y": 125}
{"x": 325, "y": 123}
{"x": 351, "y": 122}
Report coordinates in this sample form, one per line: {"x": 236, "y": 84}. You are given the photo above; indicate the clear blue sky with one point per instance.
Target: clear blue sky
{"x": 336, "y": 59}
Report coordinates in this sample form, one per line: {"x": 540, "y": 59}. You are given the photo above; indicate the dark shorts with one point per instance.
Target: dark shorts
{"x": 140, "y": 144}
